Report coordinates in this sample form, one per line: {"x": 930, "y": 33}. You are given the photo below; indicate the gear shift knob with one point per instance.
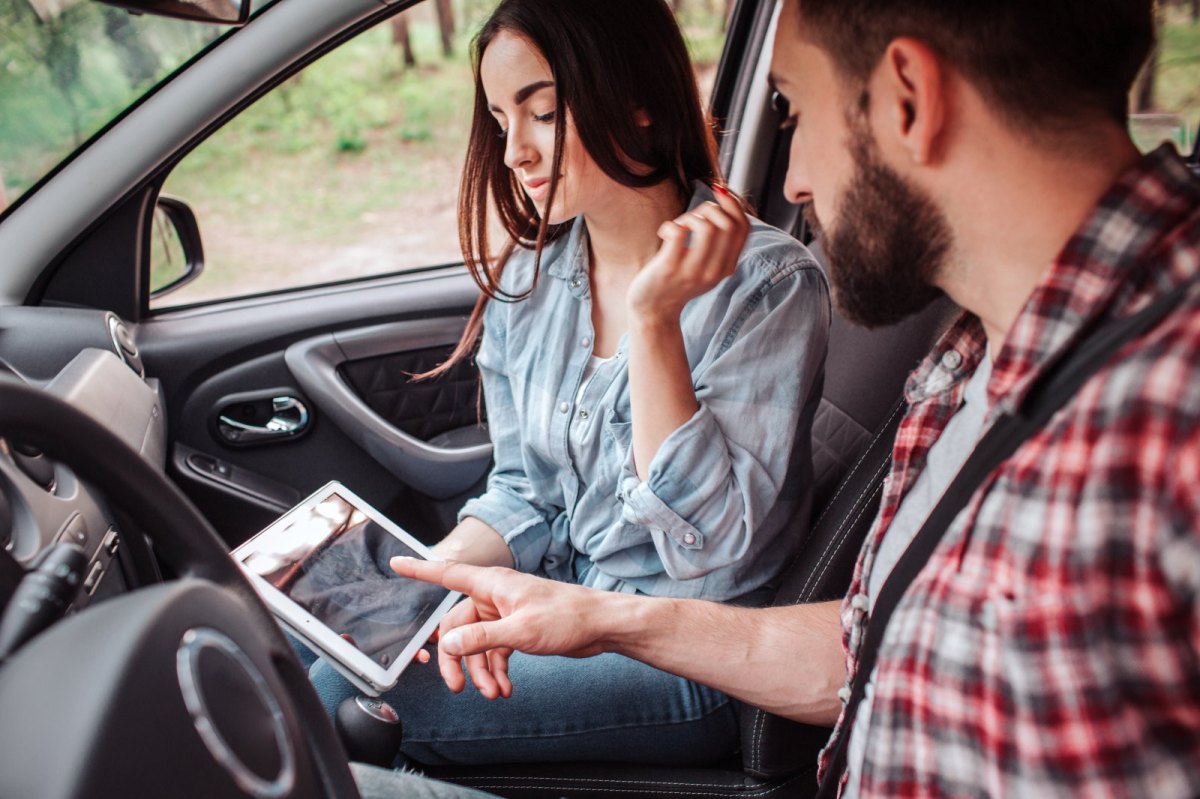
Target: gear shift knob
{"x": 370, "y": 730}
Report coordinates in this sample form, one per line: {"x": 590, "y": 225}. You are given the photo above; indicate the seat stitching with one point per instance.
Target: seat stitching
{"x": 761, "y": 716}
{"x": 863, "y": 509}
{"x": 845, "y": 481}
{"x": 514, "y": 782}
{"x": 836, "y": 538}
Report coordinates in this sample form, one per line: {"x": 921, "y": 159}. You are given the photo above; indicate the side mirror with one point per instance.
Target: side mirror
{"x": 222, "y": 12}
{"x": 176, "y": 255}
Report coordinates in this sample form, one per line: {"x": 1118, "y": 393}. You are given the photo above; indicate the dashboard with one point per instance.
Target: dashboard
{"x": 89, "y": 359}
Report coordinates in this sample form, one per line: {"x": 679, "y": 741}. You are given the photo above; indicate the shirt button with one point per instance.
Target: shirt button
{"x": 689, "y": 539}
{"x": 951, "y": 359}
{"x": 563, "y": 407}
{"x": 583, "y": 414}
{"x": 860, "y": 602}
{"x": 583, "y": 342}
{"x": 988, "y": 617}
{"x": 575, "y": 283}
{"x": 844, "y": 694}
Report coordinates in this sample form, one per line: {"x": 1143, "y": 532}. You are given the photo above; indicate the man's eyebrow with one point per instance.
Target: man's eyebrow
{"x": 525, "y": 93}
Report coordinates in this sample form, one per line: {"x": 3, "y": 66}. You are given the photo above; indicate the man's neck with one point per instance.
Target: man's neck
{"x": 1011, "y": 225}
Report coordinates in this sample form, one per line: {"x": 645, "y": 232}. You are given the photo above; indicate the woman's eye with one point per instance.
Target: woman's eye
{"x": 548, "y": 117}
{"x": 502, "y": 133}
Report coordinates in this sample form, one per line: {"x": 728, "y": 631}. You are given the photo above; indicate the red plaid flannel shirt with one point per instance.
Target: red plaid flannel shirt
{"x": 1051, "y": 646}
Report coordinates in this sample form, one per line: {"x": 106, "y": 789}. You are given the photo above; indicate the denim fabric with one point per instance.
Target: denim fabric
{"x": 711, "y": 520}
{"x": 605, "y": 708}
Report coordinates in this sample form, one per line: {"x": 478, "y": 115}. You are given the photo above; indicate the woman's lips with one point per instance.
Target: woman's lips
{"x": 537, "y": 189}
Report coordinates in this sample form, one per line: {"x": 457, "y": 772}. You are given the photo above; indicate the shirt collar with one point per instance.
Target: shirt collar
{"x": 1129, "y": 225}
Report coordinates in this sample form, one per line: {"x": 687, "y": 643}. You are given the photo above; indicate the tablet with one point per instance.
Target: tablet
{"x": 323, "y": 570}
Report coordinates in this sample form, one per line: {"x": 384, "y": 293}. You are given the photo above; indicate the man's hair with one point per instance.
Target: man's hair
{"x": 1043, "y": 64}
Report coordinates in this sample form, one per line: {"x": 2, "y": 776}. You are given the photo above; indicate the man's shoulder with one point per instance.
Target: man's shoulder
{"x": 1149, "y": 393}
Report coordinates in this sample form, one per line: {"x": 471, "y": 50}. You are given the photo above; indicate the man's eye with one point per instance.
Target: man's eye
{"x": 780, "y": 104}
{"x": 548, "y": 117}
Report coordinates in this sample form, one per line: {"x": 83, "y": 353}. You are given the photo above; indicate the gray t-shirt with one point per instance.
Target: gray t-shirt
{"x": 943, "y": 462}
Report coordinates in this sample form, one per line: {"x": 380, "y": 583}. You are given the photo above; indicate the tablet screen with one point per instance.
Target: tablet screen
{"x": 332, "y": 560}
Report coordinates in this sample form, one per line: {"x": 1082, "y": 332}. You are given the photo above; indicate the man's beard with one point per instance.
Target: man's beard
{"x": 888, "y": 245}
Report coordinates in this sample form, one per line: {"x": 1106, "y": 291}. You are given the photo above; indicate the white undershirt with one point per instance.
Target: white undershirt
{"x": 942, "y": 464}
{"x": 589, "y": 371}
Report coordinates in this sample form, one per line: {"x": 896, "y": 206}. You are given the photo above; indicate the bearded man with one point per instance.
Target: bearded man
{"x": 1050, "y": 644}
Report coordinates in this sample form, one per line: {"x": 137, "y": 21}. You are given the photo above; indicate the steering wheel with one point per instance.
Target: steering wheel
{"x": 184, "y": 689}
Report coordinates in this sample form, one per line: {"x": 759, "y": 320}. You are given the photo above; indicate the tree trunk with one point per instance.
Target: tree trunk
{"x": 1195, "y": 11}
{"x": 401, "y": 38}
{"x": 445, "y": 18}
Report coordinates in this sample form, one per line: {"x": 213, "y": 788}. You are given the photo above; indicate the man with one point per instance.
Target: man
{"x": 1051, "y": 644}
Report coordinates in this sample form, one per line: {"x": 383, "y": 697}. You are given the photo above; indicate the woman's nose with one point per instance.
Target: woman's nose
{"x": 518, "y": 151}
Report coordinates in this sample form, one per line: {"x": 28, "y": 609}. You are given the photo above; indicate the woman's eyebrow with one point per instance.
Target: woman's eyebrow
{"x": 524, "y": 93}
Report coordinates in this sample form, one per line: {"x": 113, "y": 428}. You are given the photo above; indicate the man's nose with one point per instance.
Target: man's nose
{"x": 796, "y": 187}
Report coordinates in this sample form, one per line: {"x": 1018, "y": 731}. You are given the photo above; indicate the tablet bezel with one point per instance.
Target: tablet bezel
{"x": 354, "y": 664}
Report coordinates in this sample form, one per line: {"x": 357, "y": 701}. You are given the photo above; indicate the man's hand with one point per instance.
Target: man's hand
{"x": 506, "y": 610}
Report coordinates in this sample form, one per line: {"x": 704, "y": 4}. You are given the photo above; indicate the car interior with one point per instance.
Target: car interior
{"x": 152, "y": 441}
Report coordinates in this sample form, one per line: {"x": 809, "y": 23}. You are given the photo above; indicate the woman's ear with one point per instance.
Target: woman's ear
{"x": 641, "y": 118}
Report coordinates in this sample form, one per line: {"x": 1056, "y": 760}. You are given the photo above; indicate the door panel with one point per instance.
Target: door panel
{"x": 441, "y": 460}
{"x": 207, "y": 357}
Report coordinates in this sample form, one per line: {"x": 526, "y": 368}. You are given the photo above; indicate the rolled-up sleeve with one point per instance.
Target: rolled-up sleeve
{"x": 716, "y": 477}
{"x": 509, "y": 506}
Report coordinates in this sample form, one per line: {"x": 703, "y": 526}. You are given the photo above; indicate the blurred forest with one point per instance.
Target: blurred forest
{"x": 349, "y": 167}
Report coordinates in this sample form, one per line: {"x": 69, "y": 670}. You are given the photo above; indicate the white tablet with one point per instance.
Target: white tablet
{"x": 323, "y": 570}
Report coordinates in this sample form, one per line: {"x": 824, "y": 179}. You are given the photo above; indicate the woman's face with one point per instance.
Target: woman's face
{"x": 521, "y": 96}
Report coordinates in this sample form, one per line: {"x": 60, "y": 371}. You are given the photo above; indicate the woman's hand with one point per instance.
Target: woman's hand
{"x": 700, "y": 249}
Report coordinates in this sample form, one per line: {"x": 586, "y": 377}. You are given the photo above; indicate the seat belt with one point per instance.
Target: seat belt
{"x": 1057, "y": 384}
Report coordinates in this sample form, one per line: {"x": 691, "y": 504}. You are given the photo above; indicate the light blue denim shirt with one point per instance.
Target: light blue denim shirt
{"x": 712, "y": 518}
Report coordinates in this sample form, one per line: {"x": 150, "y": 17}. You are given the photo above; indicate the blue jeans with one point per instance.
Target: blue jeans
{"x": 605, "y": 708}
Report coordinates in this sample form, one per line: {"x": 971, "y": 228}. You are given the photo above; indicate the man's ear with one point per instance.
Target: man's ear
{"x": 910, "y": 88}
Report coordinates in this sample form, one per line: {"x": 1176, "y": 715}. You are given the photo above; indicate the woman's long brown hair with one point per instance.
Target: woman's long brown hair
{"x": 610, "y": 60}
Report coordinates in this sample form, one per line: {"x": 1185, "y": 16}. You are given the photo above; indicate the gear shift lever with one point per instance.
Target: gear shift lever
{"x": 370, "y": 730}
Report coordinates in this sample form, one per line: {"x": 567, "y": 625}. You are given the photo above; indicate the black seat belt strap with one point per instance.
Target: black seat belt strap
{"x": 1058, "y": 383}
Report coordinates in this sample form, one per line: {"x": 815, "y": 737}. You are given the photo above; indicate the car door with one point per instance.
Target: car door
{"x": 288, "y": 367}
{"x": 279, "y": 250}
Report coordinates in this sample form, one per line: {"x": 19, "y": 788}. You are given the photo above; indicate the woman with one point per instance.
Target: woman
{"x": 651, "y": 361}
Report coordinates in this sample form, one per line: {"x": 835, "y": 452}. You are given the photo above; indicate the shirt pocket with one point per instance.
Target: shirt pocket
{"x": 616, "y": 443}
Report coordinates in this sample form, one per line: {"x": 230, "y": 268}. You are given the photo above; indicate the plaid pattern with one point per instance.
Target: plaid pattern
{"x": 1051, "y": 646}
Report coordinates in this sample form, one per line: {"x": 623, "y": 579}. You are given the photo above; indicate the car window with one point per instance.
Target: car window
{"x": 67, "y": 68}
{"x": 350, "y": 168}
{"x": 1166, "y": 97}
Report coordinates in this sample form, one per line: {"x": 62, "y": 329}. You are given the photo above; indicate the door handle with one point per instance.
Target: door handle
{"x": 289, "y": 418}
